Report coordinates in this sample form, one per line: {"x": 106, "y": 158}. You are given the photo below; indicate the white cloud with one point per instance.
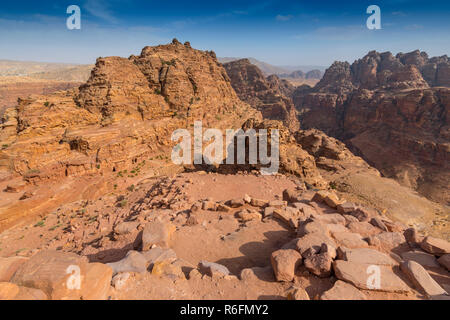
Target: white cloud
{"x": 100, "y": 9}
{"x": 283, "y": 18}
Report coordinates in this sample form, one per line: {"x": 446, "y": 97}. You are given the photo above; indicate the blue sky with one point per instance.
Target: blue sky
{"x": 278, "y": 32}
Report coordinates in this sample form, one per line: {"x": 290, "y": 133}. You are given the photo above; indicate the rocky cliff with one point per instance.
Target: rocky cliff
{"x": 268, "y": 95}
{"x": 394, "y": 111}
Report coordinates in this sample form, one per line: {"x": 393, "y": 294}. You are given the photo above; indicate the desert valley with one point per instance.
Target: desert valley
{"x": 89, "y": 193}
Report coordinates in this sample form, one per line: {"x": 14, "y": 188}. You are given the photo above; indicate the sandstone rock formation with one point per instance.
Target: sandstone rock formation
{"x": 393, "y": 111}
{"x": 270, "y": 96}
{"x": 124, "y": 114}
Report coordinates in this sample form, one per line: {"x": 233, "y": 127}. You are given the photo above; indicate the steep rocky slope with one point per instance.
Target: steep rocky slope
{"x": 268, "y": 95}
{"x": 393, "y": 111}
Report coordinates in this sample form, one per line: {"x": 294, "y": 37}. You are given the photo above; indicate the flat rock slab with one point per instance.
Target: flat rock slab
{"x": 387, "y": 240}
{"x": 367, "y": 256}
{"x": 349, "y": 239}
{"x": 435, "y": 246}
{"x": 126, "y": 227}
{"x": 363, "y": 228}
{"x": 8, "y": 266}
{"x": 445, "y": 261}
{"x": 133, "y": 262}
{"x": 314, "y": 241}
{"x": 158, "y": 255}
{"x": 211, "y": 268}
{"x": 284, "y": 263}
{"x": 56, "y": 274}
{"x": 343, "y": 291}
{"x": 422, "y": 258}
{"x": 364, "y": 277}
{"x": 157, "y": 233}
{"x": 421, "y": 279}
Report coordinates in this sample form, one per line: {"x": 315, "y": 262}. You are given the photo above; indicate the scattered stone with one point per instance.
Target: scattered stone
{"x": 365, "y": 255}
{"x": 126, "y": 227}
{"x": 307, "y": 210}
{"x": 158, "y": 254}
{"x": 332, "y": 201}
{"x": 422, "y": 258}
{"x": 213, "y": 269}
{"x": 363, "y": 228}
{"x": 421, "y": 279}
{"x": 311, "y": 226}
{"x": 336, "y": 228}
{"x": 236, "y": 203}
{"x": 247, "y": 198}
{"x": 259, "y": 203}
{"x": 290, "y": 195}
{"x": 413, "y": 237}
{"x": 120, "y": 280}
{"x": 362, "y": 214}
{"x": 277, "y": 204}
{"x": 319, "y": 264}
{"x": 297, "y": 294}
{"x": 285, "y": 263}
{"x": 349, "y": 240}
{"x": 320, "y": 196}
{"x": 8, "y": 266}
{"x": 248, "y": 215}
{"x": 288, "y": 215}
{"x": 133, "y": 262}
{"x": 435, "y": 246}
{"x": 223, "y": 208}
{"x": 346, "y": 208}
{"x": 377, "y": 222}
{"x": 332, "y": 218}
{"x": 268, "y": 212}
{"x": 349, "y": 218}
{"x": 363, "y": 276}
{"x": 194, "y": 274}
{"x": 314, "y": 241}
{"x": 387, "y": 240}
{"x": 343, "y": 291}
{"x": 209, "y": 205}
{"x": 157, "y": 233}
{"x": 445, "y": 261}
{"x": 170, "y": 270}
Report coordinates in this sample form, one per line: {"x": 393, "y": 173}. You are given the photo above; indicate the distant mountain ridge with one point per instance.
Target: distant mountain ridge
{"x": 269, "y": 69}
{"x": 45, "y": 70}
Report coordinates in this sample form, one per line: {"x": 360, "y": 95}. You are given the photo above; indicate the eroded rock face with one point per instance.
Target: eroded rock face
{"x": 124, "y": 114}
{"x": 270, "y": 96}
{"x": 393, "y": 111}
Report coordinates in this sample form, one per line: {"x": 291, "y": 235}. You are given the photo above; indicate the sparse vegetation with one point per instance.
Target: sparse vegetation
{"x": 40, "y": 224}
{"x": 123, "y": 203}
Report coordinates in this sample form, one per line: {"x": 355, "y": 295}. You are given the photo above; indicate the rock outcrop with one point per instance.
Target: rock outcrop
{"x": 124, "y": 114}
{"x": 393, "y": 111}
{"x": 270, "y": 96}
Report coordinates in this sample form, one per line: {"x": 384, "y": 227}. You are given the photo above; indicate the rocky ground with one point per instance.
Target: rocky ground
{"x": 215, "y": 236}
